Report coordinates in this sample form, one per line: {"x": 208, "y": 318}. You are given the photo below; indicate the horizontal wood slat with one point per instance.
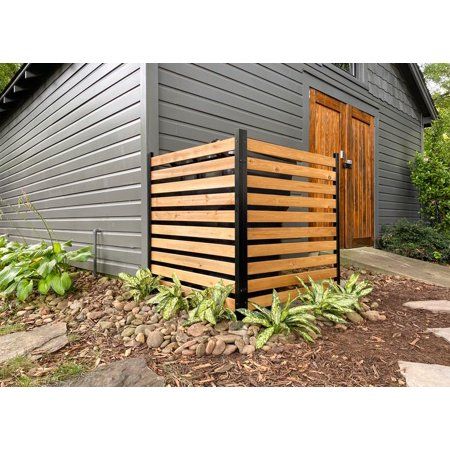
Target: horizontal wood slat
{"x": 279, "y": 281}
{"x": 194, "y": 231}
{"x": 289, "y": 216}
{"x": 194, "y": 152}
{"x": 224, "y": 198}
{"x": 280, "y": 151}
{"x": 255, "y": 181}
{"x": 276, "y": 265}
{"x": 290, "y": 201}
{"x": 194, "y": 216}
{"x": 188, "y": 276}
{"x": 194, "y": 262}
{"x": 288, "y": 248}
{"x": 289, "y": 169}
{"x": 266, "y": 300}
{"x": 290, "y": 232}
{"x": 193, "y": 247}
{"x": 193, "y": 169}
{"x": 225, "y": 181}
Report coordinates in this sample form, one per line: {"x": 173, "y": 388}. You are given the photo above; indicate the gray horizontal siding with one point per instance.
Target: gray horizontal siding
{"x": 75, "y": 149}
{"x": 201, "y": 102}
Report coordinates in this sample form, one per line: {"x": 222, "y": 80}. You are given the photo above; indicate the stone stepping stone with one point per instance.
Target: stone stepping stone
{"x": 46, "y": 339}
{"x": 125, "y": 373}
{"x": 425, "y": 375}
{"x": 436, "y": 306}
{"x": 441, "y": 332}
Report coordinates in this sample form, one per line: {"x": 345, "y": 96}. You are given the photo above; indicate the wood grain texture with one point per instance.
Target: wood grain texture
{"x": 193, "y": 247}
{"x": 214, "y": 165}
{"x": 276, "y": 265}
{"x": 194, "y": 152}
{"x": 220, "y": 199}
{"x": 280, "y": 151}
{"x": 279, "y": 281}
{"x": 266, "y": 300}
{"x": 193, "y": 216}
{"x": 194, "y": 231}
{"x": 262, "y": 165}
{"x": 290, "y": 201}
{"x": 256, "y": 250}
{"x": 255, "y": 181}
{"x": 225, "y": 181}
{"x": 290, "y": 232}
{"x": 194, "y": 262}
{"x": 289, "y": 216}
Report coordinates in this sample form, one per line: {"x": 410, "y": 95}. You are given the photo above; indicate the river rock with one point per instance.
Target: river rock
{"x": 248, "y": 349}
{"x": 210, "y": 346}
{"x": 354, "y": 317}
{"x": 229, "y": 349}
{"x": 155, "y": 339}
{"x": 219, "y": 348}
{"x": 140, "y": 337}
{"x": 201, "y": 349}
{"x": 196, "y": 330}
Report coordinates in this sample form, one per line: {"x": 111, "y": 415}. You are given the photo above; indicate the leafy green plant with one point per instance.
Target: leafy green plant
{"x": 209, "y": 305}
{"x": 25, "y": 268}
{"x": 328, "y": 300}
{"x": 416, "y": 240}
{"x": 351, "y": 287}
{"x": 170, "y": 299}
{"x": 140, "y": 285}
{"x": 281, "y": 319}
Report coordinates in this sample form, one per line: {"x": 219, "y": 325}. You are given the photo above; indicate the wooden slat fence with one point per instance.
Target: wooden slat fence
{"x": 199, "y": 204}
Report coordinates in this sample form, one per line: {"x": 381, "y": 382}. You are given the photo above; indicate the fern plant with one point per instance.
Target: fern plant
{"x": 170, "y": 299}
{"x": 209, "y": 305}
{"x": 327, "y": 301}
{"x": 351, "y": 287}
{"x": 281, "y": 319}
{"x": 140, "y": 285}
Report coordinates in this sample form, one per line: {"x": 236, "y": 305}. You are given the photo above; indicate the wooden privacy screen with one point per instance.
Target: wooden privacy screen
{"x": 239, "y": 210}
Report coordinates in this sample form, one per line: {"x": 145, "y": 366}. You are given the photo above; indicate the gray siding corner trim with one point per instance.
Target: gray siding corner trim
{"x": 150, "y": 144}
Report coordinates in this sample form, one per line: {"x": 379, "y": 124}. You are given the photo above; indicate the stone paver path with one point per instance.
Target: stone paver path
{"x": 131, "y": 372}
{"x": 46, "y": 339}
{"x": 441, "y": 332}
{"x": 380, "y": 261}
{"x": 436, "y": 306}
{"x": 425, "y": 375}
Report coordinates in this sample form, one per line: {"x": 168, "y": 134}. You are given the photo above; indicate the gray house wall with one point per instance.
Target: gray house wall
{"x": 74, "y": 148}
{"x": 201, "y": 102}
{"x": 79, "y": 145}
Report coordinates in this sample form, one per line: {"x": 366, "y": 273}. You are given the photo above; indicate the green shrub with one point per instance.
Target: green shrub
{"x": 141, "y": 285}
{"x": 415, "y": 240}
{"x": 430, "y": 173}
{"x": 42, "y": 267}
{"x": 170, "y": 299}
{"x": 281, "y": 319}
{"x": 209, "y": 305}
{"x": 329, "y": 300}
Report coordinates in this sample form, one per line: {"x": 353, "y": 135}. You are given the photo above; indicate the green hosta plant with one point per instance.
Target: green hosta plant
{"x": 327, "y": 301}
{"x": 42, "y": 266}
{"x": 209, "y": 305}
{"x": 351, "y": 287}
{"x": 281, "y": 319}
{"x": 170, "y": 299}
{"x": 140, "y": 285}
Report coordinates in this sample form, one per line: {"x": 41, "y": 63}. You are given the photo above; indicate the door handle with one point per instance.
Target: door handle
{"x": 348, "y": 163}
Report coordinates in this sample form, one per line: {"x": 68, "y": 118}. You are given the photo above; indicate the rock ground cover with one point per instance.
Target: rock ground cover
{"x": 105, "y": 324}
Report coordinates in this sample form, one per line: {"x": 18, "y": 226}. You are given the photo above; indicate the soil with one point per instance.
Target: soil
{"x": 361, "y": 355}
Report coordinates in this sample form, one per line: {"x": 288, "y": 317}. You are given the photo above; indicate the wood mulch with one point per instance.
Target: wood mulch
{"x": 362, "y": 355}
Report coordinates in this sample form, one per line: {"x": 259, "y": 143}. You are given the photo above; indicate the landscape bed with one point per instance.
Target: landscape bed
{"x": 365, "y": 354}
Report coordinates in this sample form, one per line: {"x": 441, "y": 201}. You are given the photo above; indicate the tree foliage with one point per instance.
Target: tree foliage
{"x": 7, "y": 71}
{"x": 430, "y": 170}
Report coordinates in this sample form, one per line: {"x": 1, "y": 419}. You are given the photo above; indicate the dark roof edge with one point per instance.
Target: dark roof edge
{"x": 424, "y": 92}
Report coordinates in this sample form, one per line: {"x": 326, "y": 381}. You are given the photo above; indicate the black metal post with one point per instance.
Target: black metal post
{"x": 149, "y": 206}
{"x": 94, "y": 266}
{"x": 338, "y": 218}
{"x": 240, "y": 220}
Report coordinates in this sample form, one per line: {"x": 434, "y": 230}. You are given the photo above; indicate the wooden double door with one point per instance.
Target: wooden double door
{"x": 334, "y": 127}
